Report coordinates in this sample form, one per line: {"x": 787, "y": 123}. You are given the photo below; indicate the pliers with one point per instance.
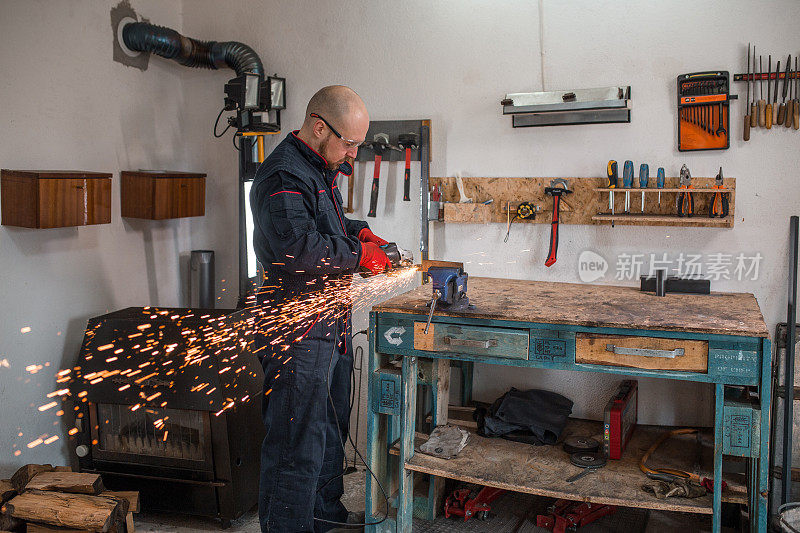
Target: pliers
{"x": 719, "y": 202}
{"x": 685, "y": 201}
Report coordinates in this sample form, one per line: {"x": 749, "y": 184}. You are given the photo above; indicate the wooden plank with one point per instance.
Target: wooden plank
{"x": 129, "y": 526}
{"x": 595, "y": 306}
{"x": 72, "y": 482}
{"x": 589, "y": 198}
{"x": 33, "y": 527}
{"x": 78, "y": 511}
{"x": 131, "y": 495}
{"x": 543, "y": 470}
{"x": 24, "y": 474}
{"x": 576, "y": 208}
{"x": 664, "y": 220}
{"x": 440, "y": 415}
{"x": 57, "y": 174}
{"x": 423, "y": 341}
{"x": 405, "y": 501}
{"x": 427, "y": 263}
{"x": 467, "y": 213}
{"x": 591, "y": 348}
{"x": 651, "y": 190}
{"x": 462, "y": 417}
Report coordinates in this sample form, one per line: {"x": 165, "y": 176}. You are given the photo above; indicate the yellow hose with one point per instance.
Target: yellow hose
{"x": 669, "y": 471}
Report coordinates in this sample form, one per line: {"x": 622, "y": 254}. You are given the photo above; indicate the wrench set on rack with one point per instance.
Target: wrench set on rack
{"x": 703, "y": 111}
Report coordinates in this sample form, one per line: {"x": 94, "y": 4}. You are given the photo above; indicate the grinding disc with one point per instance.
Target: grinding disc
{"x": 580, "y": 445}
{"x": 588, "y": 459}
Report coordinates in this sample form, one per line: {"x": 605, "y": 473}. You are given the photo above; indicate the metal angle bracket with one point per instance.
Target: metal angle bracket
{"x": 560, "y": 108}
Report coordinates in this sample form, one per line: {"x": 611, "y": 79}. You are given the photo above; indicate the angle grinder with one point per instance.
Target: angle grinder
{"x": 398, "y": 257}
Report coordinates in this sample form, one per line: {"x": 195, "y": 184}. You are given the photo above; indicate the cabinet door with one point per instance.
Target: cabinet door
{"x": 62, "y": 202}
{"x": 179, "y": 197}
{"x": 98, "y": 208}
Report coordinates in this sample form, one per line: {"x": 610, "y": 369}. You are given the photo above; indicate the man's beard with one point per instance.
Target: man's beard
{"x": 332, "y": 165}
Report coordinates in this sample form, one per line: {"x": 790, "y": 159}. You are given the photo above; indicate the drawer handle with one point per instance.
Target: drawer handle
{"x": 645, "y": 352}
{"x": 469, "y": 343}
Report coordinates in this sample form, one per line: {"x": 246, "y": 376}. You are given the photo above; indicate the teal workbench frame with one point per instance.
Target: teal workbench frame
{"x": 732, "y": 360}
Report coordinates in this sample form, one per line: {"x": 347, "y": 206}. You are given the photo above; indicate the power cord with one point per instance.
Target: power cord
{"x": 344, "y": 450}
{"x": 216, "y": 123}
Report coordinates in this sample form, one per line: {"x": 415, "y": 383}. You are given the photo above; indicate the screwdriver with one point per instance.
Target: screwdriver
{"x": 782, "y": 107}
{"x": 627, "y": 181}
{"x": 746, "y": 131}
{"x": 644, "y": 177}
{"x": 761, "y": 102}
{"x": 612, "y": 183}
{"x": 660, "y": 182}
{"x": 754, "y": 107}
{"x": 768, "y": 110}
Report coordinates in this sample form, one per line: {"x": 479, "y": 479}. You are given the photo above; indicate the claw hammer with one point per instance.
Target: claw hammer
{"x": 379, "y": 145}
{"x": 557, "y": 188}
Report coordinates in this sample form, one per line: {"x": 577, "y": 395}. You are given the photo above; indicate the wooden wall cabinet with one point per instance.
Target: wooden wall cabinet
{"x": 157, "y": 195}
{"x": 54, "y": 198}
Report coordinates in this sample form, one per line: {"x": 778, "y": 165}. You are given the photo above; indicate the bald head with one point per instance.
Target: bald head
{"x": 336, "y": 103}
{"x": 338, "y": 108}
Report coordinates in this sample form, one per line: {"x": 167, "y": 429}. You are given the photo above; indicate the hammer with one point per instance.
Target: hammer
{"x": 555, "y": 191}
{"x": 379, "y": 145}
{"x": 407, "y": 141}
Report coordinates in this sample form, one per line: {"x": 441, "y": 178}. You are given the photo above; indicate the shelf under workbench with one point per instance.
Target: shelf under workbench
{"x": 542, "y": 470}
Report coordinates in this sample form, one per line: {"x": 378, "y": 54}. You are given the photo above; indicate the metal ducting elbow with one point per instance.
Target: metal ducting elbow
{"x": 168, "y": 43}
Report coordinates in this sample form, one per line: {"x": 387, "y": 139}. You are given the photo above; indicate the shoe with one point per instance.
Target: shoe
{"x": 357, "y": 519}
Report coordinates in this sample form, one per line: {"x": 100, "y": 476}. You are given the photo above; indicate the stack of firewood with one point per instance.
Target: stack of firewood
{"x": 44, "y": 499}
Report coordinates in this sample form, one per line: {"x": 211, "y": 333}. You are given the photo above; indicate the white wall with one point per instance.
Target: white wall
{"x": 451, "y": 61}
{"x": 66, "y": 105}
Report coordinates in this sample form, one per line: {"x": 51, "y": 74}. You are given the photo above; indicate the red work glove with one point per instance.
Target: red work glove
{"x": 373, "y": 258}
{"x": 365, "y": 235}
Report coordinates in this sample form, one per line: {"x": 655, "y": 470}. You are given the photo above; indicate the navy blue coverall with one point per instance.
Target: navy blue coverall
{"x": 304, "y": 244}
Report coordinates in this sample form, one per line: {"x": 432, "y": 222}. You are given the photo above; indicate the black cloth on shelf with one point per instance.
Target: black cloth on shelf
{"x": 531, "y": 416}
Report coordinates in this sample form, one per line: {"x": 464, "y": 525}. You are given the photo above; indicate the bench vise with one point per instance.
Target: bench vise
{"x": 449, "y": 289}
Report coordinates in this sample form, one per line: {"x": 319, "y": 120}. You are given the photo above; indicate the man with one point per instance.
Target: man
{"x": 308, "y": 248}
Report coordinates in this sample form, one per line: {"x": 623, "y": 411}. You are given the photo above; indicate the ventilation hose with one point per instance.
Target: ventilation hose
{"x": 169, "y": 44}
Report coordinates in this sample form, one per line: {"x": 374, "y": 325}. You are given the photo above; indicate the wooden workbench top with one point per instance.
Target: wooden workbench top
{"x": 596, "y": 306}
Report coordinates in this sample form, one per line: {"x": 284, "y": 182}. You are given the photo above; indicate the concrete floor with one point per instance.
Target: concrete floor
{"x": 508, "y": 509}
{"x": 353, "y": 499}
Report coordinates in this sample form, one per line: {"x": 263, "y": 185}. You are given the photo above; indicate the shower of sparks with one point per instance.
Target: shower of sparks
{"x": 25, "y": 330}
{"x": 152, "y": 372}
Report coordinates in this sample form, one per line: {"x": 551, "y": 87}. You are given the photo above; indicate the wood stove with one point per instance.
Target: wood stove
{"x": 167, "y": 402}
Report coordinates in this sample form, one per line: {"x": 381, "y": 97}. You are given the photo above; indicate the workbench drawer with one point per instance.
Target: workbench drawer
{"x": 474, "y": 340}
{"x": 652, "y": 353}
